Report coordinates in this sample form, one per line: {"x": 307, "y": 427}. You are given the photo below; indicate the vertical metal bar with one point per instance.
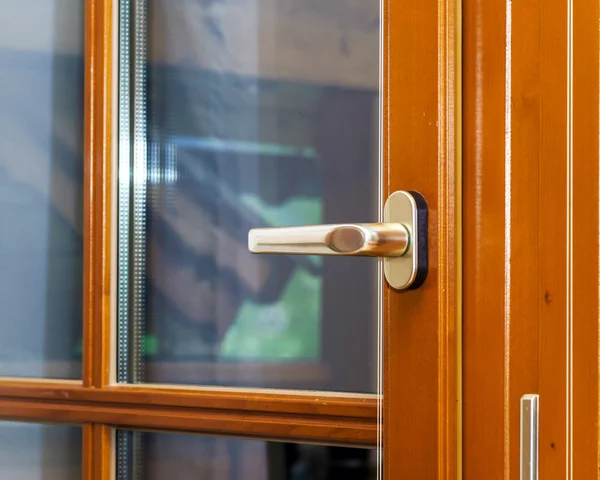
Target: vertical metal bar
{"x": 124, "y": 217}
{"x": 529, "y": 436}
{"x": 131, "y": 307}
{"x": 124, "y": 455}
{"x": 140, "y": 173}
{"x": 124, "y": 193}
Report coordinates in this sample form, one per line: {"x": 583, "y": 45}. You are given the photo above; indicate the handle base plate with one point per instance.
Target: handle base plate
{"x": 408, "y": 208}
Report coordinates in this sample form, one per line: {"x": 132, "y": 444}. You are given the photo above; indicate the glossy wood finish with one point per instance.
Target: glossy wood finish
{"x": 87, "y": 463}
{"x": 326, "y": 418}
{"x": 98, "y": 209}
{"x": 517, "y": 289}
{"x": 250, "y": 400}
{"x": 421, "y": 147}
{"x": 491, "y": 385}
{"x": 586, "y": 276}
{"x": 97, "y": 452}
{"x": 103, "y": 466}
{"x": 97, "y": 464}
{"x": 422, "y": 138}
{"x": 98, "y": 188}
{"x": 556, "y": 249}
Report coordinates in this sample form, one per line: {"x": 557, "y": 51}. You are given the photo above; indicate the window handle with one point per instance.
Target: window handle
{"x": 401, "y": 240}
{"x": 369, "y": 239}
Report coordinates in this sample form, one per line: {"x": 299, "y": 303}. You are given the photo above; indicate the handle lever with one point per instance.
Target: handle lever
{"x": 401, "y": 240}
{"x": 371, "y": 239}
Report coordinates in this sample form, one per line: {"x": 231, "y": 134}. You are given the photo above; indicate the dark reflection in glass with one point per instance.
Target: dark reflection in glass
{"x": 48, "y": 452}
{"x": 256, "y": 114}
{"x": 41, "y": 178}
{"x": 163, "y": 456}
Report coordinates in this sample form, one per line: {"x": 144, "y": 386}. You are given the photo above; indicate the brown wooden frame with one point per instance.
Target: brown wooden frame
{"x": 535, "y": 329}
{"x": 96, "y": 402}
{"x": 585, "y": 393}
{"x": 430, "y": 370}
{"x": 422, "y": 118}
{"x": 326, "y": 418}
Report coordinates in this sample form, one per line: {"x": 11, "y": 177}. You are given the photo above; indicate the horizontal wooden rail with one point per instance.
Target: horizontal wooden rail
{"x": 314, "y": 417}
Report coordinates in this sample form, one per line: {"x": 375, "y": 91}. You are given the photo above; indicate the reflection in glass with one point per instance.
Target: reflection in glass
{"x": 164, "y": 456}
{"x": 234, "y": 115}
{"x": 41, "y": 177}
{"x": 49, "y": 452}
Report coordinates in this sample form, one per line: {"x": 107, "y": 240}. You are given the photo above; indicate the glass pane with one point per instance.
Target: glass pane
{"x": 48, "y": 452}
{"x": 41, "y": 177}
{"x": 240, "y": 114}
{"x": 165, "y": 456}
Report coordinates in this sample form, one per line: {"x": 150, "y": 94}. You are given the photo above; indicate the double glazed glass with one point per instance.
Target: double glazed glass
{"x": 185, "y": 457}
{"x": 238, "y": 114}
{"x": 49, "y": 452}
{"x": 41, "y": 180}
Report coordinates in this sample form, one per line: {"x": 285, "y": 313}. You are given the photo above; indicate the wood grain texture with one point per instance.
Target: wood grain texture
{"x": 103, "y": 467}
{"x": 274, "y": 401}
{"x": 421, "y": 115}
{"x": 324, "y": 418}
{"x": 586, "y": 281}
{"x": 97, "y": 452}
{"x": 98, "y": 191}
{"x": 555, "y": 296}
{"x": 515, "y": 235}
{"x": 87, "y": 464}
{"x": 339, "y": 431}
{"x": 494, "y": 262}
{"x": 51, "y": 452}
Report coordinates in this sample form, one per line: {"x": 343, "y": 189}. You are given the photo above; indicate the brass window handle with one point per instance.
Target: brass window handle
{"x": 401, "y": 240}
{"x": 371, "y": 239}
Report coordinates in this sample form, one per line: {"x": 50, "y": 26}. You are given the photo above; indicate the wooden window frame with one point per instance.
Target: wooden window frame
{"x": 97, "y": 403}
{"x": 100, "y": 405}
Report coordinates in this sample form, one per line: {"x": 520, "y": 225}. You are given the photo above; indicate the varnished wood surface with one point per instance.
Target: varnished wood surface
{"x": 98, "y": 194}
{"x": 556, "y": 247}
{"x": 496, "y": 373}
{"x": 98, "y": 452}
{"x": 421, "y": 145}
{"x": 421, "y": 326}
{"x": 326, "y": 418}
{"x": 97, "y": 234}
{"x": 322, "y": 430}
{"x": 324, "y": 404}
{"x": 87, "y": 451}
{"x": 586, "y": 349}
{"x": 103, "y": 466}
{"x": 516, "y": 287}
